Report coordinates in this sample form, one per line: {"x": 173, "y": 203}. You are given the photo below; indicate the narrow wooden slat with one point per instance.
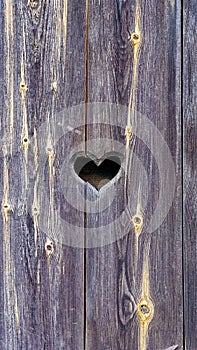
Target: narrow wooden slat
{"x": 42, "y": 74}
{"x": 134, "y": 284}
{"x": 189, "y": 171}
{"x": 102, "y": 263}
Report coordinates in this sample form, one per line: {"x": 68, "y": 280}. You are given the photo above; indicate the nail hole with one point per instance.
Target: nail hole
{"x": 6, "y": 208}
{"x": 97, "y": 175}
{"x": 25, "y": 142}
{"x": 49, "y": 248}
{"x": 23, "y": 88}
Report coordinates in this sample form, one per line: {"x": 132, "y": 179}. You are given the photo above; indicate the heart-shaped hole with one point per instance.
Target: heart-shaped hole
{"x": 99, "y": 172}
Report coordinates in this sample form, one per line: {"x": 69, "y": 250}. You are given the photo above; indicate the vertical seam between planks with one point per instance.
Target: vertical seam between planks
{"x": 182, "y": 167}
{"x": 86, "y": 135}
{"x": 86, "y": 71}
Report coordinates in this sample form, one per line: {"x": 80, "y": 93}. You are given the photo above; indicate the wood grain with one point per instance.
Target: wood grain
{"x": 189, "y": 171}
{"x": 42, "y": 73}
{"x": 87, "y": 79}
{"x": 134, "y": 285}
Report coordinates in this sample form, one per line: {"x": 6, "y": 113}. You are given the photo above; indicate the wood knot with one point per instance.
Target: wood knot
{"x": 126, "y": 301}
{"x": 129, "y": 132}
{"x": 145, "y": 310}
{"x": 23, "y": 89}
{"x": 128, "y": 308}
{"x": 51, "y": 155}
{"x": 35, "y": 211}
{"x": 138, "y": 223}
{"x": 135, "y": 38}
{"x": 49, "y": 248}
{"x": 49, "y": 151}
{"x": 33, "y": 4}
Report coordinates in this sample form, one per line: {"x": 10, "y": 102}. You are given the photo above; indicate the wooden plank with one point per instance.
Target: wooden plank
{"x": 42, "y": 74}
{"x": 134, "y": 283}
{"x": 189, "y": 171}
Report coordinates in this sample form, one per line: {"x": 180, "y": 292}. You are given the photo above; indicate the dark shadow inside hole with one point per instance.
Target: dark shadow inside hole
{"x": 100, "y": 175}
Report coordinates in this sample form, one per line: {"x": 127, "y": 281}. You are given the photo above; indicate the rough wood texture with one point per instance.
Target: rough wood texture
{"x": 42, "y": 70}
{"x": 142, "y": 266}
{"x": 189, "y": 171}
{"x": 125, "y": 289}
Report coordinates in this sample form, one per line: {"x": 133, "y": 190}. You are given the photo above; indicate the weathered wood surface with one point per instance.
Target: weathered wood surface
{"x": 141, "y": 266}
{"x": 42, "y": 70}
{"x": 189, "y": 171}
{"x": 125, "y": 290}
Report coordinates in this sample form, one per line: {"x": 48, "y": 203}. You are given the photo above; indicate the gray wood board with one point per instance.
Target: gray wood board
{"x": 118, "y": 274}
{"x": 41, "y": 74}
{"x": 189, "y": 171}
{"x": 125, "y": 290}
